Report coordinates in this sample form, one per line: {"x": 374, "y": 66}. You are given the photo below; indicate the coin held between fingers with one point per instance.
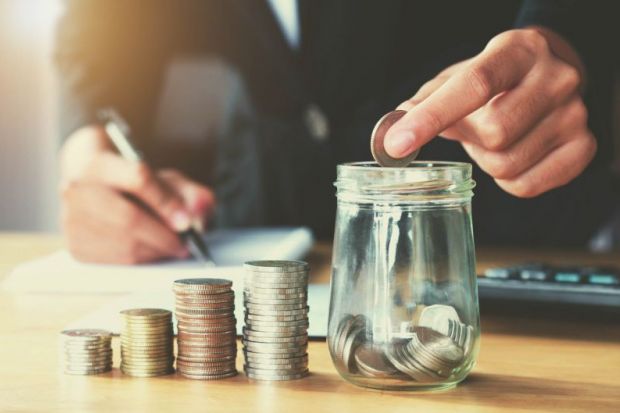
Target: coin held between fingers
{"x": 377, "y": 142}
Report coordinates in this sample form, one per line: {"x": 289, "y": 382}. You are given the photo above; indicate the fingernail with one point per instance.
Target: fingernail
{"x": 181, "y": 221}
{"x": 399, "y": 143}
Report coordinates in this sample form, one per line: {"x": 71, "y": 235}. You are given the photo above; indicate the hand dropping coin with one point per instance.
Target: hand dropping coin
{"x": 377, "y": 137}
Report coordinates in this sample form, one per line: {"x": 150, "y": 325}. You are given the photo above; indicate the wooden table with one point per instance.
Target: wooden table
{"x": 528, "y": 361}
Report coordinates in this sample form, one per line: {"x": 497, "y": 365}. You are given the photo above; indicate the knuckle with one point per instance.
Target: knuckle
{"x": 571, "y": 78}
{"x": 533, "y": 40}
{"x": 480, "y": 80}
{"x": 499, "y": 167}
{"x": 493, "y": 133}
{"x": 591, "y": 146}
{"x": 406, "y": 105}
{"x": 433, "y": 118}
{"x": 577, "y": 113}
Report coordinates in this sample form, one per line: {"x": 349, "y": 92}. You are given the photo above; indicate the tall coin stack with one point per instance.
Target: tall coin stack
{"x": 147, "y": 342}
{"x": 275, "y": 335}
{"x": 207, "y": 328}
{"x": 86, "y": 351}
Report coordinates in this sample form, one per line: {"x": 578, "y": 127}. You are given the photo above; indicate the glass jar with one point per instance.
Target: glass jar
{"x": 404, "y": 302}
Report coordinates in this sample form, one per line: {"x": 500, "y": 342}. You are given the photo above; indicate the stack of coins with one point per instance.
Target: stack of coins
{"x": 207, "y": 328}
{"x": 275, "y": 336}
{"x": 430, "y": 351}
{"x": 86, "y": 351}
{"x": 147, "y": 342}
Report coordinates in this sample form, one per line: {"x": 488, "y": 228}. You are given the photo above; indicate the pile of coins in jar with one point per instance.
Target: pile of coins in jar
{"x": 427, "y": 351}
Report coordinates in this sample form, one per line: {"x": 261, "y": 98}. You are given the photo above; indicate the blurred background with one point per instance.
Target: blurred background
{"x": 28, "y": 120}
{"x": 29, "y": 130}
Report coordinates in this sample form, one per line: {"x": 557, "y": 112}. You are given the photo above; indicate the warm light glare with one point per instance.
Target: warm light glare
{"x": 37, "y": 15}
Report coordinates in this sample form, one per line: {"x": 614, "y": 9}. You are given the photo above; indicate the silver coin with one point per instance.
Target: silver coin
{"x": 252, "y": 285}
{"x": 261, "y": 290}
{"x": 88, "y": 372}
{"x": 440, "y": 346}
{"x": 262, "y": 339}
{"x": 438, "y": 317}
{"x": 276, "y": 266}
{"x": 275, "y": 308}
{"x": 283, "y": 332}
{"x": 261, "y": 311}
{"x": 377, "y": 137}
{"x": 249, "y": 298}
{"x": 351, "y": 324}
{"x": 252, "y": 297}
{"x": 284, "y": 352}
{"x": 86, "y": 335}
{"x": 274, "y": 358}
{"x": 352, "y": 341}
{"x": 275, "y": 377}
{"x": 371, "y": 361}
{"x": 416, "y": 369}
{"x": 276, "y": 277}
{"x": 251, "y": 317}
{"x": 273, "y": 345}
{"x": 206, "y": 283}
{"x": 252, "y": 355}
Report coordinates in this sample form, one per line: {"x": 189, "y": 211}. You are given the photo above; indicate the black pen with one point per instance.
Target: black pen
{"x": 118, "y": 131}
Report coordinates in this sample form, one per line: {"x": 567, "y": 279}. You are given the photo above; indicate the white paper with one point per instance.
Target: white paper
{"x": 60, "y": 273}
{"x": 150, "y": 286}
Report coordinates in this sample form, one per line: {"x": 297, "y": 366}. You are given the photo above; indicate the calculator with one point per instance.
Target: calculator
{"x": 538, "y": 282}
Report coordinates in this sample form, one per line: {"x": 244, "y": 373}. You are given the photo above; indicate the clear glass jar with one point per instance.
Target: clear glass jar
{"x": 404, "y": 302}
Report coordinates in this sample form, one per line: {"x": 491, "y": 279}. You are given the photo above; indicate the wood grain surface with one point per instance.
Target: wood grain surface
{"x": 538, "y": 358}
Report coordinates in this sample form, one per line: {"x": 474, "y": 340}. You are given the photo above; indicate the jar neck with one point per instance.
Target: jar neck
{"x": 420, "y": 182}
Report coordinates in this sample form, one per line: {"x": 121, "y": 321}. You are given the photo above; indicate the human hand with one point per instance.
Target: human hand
{"x": 119, "y": 211}
{"x": 516, "y": 108}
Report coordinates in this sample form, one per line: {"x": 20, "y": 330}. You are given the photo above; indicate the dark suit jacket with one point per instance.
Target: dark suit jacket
{"x": 357, "y": 60}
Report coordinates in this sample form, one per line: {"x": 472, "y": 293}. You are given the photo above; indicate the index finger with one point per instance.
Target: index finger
{"x": 496, "y": 69}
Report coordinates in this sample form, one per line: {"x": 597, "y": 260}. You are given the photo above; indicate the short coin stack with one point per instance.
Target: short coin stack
{"x": 275, "y": 336}
{"x": 147, "y": 342}
{"x": 87, "y": 351}
{"x": 207, "y": 332}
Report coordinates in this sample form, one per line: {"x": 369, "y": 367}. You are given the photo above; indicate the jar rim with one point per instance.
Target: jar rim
{"x": 419, "y": 181}
{"x": 420, "y": 165}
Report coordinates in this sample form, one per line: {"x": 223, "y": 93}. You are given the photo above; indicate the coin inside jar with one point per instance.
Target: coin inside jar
{"x": 372, "y": 362}
{"x": 377, "y": 147}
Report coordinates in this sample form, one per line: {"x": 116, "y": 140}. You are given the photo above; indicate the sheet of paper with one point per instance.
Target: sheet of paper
{"x": 60, "y": 273}
{"x": 151, "y": 285}
{"x": 108, "y": 318}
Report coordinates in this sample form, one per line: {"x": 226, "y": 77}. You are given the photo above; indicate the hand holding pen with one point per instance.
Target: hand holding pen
{"x": 118, "y": 210}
